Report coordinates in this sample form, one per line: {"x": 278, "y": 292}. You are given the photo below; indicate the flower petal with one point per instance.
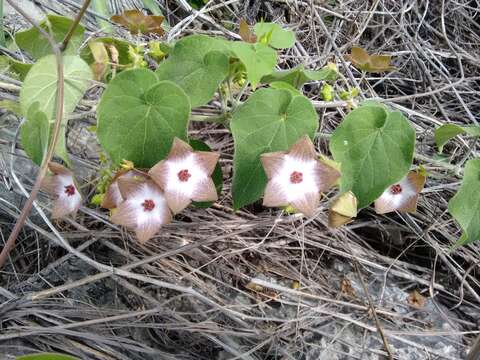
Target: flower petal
{"x": 274, "y": 195}
{"x": 51, "y": 184}
{"x": 177, "y": 201}
{"x": 179, "y": 149}
{"x": 159, "y": 174}
{"x": 63, "y": 207}
{"x": 207, "y": 160}
{"x": 272, "y": 162}
{"x": 307, "y": 204}
{"x": 326, "y": 176}
{"x": 129, "y": 186}
{"x": 146, "y": 231}
{"x": 303, "y": 149}
{"x": 59, "y": 169}
{"x": 112, "y": 197}
{"x": 205, "y": 191}
{"x": 124, "y": 215}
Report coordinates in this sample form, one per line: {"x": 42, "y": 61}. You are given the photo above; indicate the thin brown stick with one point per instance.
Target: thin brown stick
{"x": 75, "y": 23}
{"x": 57, "y": 126}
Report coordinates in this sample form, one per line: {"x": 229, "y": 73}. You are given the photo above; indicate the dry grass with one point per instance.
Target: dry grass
{"x": 258, "y": 284}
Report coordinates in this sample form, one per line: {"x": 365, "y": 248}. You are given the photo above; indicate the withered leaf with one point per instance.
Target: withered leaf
{"x": 416, "y": 299}
{"x": 370, "y": 63}
{"x": 343, "y": 209}
{"x": 138, "y": 22}
{"x": 101, "y": 59}
{"x": 245, "y": 33}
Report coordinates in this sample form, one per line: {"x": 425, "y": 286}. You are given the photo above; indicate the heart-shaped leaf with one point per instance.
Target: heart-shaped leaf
{"x": 375, "y": 149}
{"x": 465, "y": 205}
{"x": 40, "y": 85}
{"x": 370, "y": 63}
{"x": 37, "y": 46}
{"x": 138, "y": 117}
{"x": 448, "y": 131}
{"x": 137, "y": 22}
{"x": 198, "y": 64}
{"x": 270, "y": 120}
{"x": 34, "y": 134}
{"x": 259, "y": 60}
{"x": 274, "y": 35}
{"x": 298, "y": 76}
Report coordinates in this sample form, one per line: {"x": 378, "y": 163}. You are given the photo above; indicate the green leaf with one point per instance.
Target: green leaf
{"x": 46, "y": 356}
{"x": 375, "y": 148}
{"x": 465, "y": 205}
{"x": 198, "y": 64}
{"x": 259, "y": 59}
{"x": 18, "y": 67}
{"x": 138, "y": 117}
{"x": 270, "y": 120}
{"x": 34, "y": 134}
{"x": 40, "y": 85}
{"x": 286, "y": 86}
{"x": 448, "y": 131}
{"x": 217, "y": 175}
{"x": 298, "y": 76}
{"x": 36, "y": 44}
{"x": 275, "y": 35}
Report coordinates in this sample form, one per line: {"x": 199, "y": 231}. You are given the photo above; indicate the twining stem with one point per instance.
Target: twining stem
{"x": 56, "y": 131}
{"x": 74, "y": 25}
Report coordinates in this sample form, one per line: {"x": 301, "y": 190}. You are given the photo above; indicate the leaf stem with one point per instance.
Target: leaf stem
{"x": 9, "y": 245}
{"x": 74, "y": 25}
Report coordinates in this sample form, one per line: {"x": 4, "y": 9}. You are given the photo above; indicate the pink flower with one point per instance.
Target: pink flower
{"x": 113, "y": 197}
{"x": 62, "y": 186}
{"x": 402, "y": 196}
{"x": 185, "y": 175}
{"x": 296, "y": 178}
{"x": 144, "y": 208}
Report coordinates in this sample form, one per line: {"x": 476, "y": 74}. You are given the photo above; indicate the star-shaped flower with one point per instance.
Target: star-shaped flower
{"x": 144, "y": 208}
{"x": 402, "y": 196}
{"x": 297, "y": 177}
{"x": 113, "y": 197}
{"x": 62, "y": 186}
{"x": 185, "y": 175}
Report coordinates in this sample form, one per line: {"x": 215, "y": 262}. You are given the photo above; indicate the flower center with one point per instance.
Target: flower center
{"x": 296, "y": 177}
{"x": 184, "y": 175}
{"x": 70, "y": 190}
{"x": 396, "y": 189}
{"x": 148, "y": 205}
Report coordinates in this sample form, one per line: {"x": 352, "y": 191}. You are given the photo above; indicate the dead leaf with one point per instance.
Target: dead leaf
{"x": 137, "y": 22}
{"x": 245, "y": 33}
{"x": 346, "y": 287}
{"x": 416, "y": 299}
{"x": 100, "y": 57}
{"x": 263, "y": 293}
{"x": 370, "y": 63}
{"x": 343, "y": 209}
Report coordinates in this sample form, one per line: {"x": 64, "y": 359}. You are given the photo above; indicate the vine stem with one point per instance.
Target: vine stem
{"x": 9, "y": 245}
{"x": 74, "y": 25}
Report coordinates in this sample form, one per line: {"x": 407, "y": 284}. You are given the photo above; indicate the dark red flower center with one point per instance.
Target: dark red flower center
{"x": 148, "y": 205}
{"x": 396, "y": 189}
{"x": 184, "y": 175}
{"x": 70, "y": 190}
{"x": 296, "y": 177}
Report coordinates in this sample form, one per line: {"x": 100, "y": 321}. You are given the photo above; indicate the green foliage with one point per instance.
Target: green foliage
{"x": 37, "y": 46}
{"x": 465, "y": 205}
{"x": 46, "y": 356}
{"x": 270, "y": 120}
{"x": 298, "y": 76}
{"x": 217, "y": 175}
{"x": 34, "y": 134}
{"x": 448, "y": 131}
{"x": 375, "y": 148}
{"x": 286, "y": 86}
{"x": 274, "y": 35}
{"x": 40, "y": 85}
{"x": 138, "y": 117}
{"x": 17, "y": 67}
{"x": 198, "y": 65}
{"x": 259, "y": 59}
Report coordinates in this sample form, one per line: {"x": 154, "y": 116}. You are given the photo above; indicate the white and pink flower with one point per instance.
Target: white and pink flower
{"x": 402, "y": 196}
{"x": 297, "y": 177}
{"x": 185, "y": 175}
{"x": 113, "y": 197}
{"x": 61, "y": 185}
{"x": 144, "y": 208}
